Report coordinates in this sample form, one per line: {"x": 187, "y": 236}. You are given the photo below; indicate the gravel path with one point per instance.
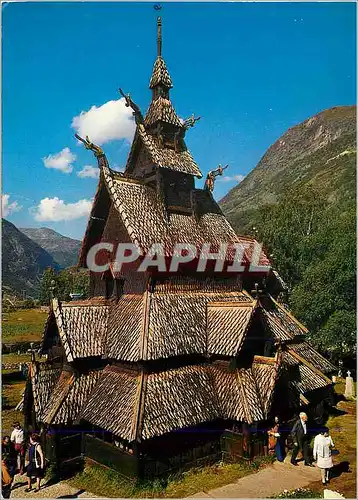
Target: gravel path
{"x": 58, "y": 490}
{"x": 267, "y": 482}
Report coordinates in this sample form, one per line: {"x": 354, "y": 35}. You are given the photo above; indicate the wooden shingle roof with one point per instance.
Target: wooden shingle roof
{"x": 181, "y": 161}
{"x": 305, "y": 350}
{"x": 112, "y": 405}
{"x": 135, "y": 405}
{"x": 82, "y": 327}
{"x": 161, "y": 109}
{"x": 69, "y": 396}
{"x": 160, "y": 74}
{"x": 43, "y": 380}
{"x": 301, "y": 376}
{"x": 162, "y": 324}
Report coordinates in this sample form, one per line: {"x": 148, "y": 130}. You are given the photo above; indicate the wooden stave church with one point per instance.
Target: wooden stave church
{"x": 155, "y": 372}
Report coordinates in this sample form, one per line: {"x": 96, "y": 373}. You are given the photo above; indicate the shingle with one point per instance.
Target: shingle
{"x": 43, "y": 381}
{"x": 160, "y": 74}
{"x": 226, "y": 328}
{"x": 161, "y": 109}
{"x": 112, "y": 405}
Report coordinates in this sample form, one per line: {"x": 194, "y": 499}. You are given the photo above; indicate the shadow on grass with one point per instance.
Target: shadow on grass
{"x": 339, "y": 469}
{"x": 336, "y": 412}
{"x": 12, "y": 377}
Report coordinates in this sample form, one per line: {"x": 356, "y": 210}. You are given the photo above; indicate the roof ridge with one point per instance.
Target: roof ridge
{"x": 289, "y": 314}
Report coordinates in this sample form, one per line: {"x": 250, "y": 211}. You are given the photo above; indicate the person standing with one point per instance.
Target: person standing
{"x": 6, "y": 481}
{"x": 275, "y": 441}
{"x": 301, "y": 438}
{"x": 9, "y": 455}
{"x": 17, "y": 437}
{"x": 322, "y": 453}
{"x": 36, "y": 464}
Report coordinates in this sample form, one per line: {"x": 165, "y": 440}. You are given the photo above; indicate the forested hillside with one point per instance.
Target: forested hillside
{"x": 301, "y": 202}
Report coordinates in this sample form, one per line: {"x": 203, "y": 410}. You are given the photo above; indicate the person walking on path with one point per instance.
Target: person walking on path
{"x": 17, "y": 437}
{"x": 9, "y": 455}
{"x": 322, "y": 453}
{"x": 275, "y": 441}
{"x": 300, "y": 437}
{"x": 36, "y": 464}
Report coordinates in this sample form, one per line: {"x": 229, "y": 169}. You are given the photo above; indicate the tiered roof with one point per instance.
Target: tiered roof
{"x": 165, "y": 353}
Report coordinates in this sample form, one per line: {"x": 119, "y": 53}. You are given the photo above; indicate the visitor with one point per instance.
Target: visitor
{"x": 36, "y": 464}
{"x": 6, "y": 481}
{"x": 300, "y": 437}
{"x": 275, "y": 443}
{"x": 17, "y": 437}
{"x": 322, "y": 453}
{"x": 9, "y": 455}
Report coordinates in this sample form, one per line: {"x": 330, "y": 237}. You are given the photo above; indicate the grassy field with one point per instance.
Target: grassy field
{"x": 14, "y": 358}
{"x": 24, "y": 325}
{"x": 108, "y": 483}
{"x": 12, "y": 389}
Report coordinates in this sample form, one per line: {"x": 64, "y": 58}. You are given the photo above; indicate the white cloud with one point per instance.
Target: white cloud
{"x": 89, "y": 171}
{"x": 9, "y": 208}
{"x": 117, "y": 168}
{"x": 60, "y": 161}
{"x": 54, "y": 209}
{"x": 111, "y": 121}
{"x": 227, "y": 178}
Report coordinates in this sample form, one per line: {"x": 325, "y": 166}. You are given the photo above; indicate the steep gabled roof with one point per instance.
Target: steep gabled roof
{"x": 82, "y": 327}
{"x": 180, "y": 161}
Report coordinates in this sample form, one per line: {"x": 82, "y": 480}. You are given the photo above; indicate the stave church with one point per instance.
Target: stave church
{"x": 157, "y": 371}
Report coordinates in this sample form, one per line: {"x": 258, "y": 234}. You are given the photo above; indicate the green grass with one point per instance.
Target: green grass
{"x": 14, "y": 358}
{"x": 105, "y": 482}
{"x": 300, "y": 493}
{"x": 12, "y": 389}
{"x": 24, "y": 325}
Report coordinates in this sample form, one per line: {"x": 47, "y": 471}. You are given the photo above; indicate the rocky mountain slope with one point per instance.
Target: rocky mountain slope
{"x": 64, "y": 250}
{"x": 23, "y": 261}
{"x": 319, "y": 151}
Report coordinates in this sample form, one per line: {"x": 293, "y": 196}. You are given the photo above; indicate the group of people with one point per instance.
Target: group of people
{"x": 13, "y": 459}
{"x": 300, "y": 435}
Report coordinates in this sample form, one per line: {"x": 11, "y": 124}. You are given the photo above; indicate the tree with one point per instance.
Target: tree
{"x": 67, "y": 281}
{"x": 313, "y": 246}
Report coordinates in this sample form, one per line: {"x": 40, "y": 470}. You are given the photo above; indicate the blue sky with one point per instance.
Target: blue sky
{"x": 250, "y": 70}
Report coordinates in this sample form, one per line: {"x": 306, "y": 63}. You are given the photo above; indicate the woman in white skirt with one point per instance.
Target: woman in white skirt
{"x": 322, "y": 453}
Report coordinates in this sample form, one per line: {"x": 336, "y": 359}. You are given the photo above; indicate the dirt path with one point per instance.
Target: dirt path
{"x": 58, "y": 490}
{"x": 267, "y": 482}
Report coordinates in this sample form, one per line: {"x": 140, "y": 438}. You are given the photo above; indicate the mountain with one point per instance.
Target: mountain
{"x": 300, "y": 202}
{"x": 320, "y": 151}
{"x": 23, "y": 261}
{"x": 64, "y": 250}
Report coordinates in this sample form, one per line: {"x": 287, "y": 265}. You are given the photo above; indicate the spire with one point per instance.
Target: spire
{"x": 160, "y": 76}
{"x": 159, "y": 36}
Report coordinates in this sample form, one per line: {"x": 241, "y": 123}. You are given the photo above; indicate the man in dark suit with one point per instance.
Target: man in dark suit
{"x": 301, "y": 439}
